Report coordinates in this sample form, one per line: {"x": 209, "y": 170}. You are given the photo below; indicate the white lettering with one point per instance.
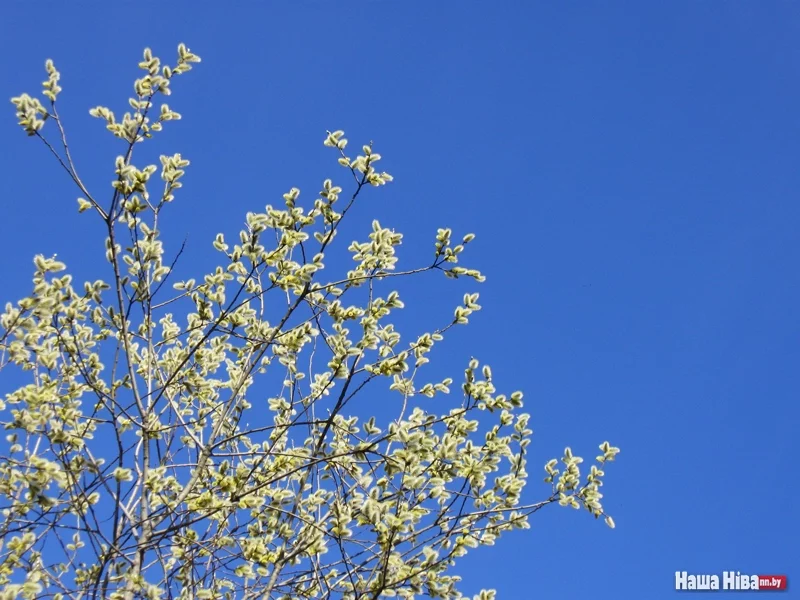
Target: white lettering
{"x": 737, "y": 581}
{"x": 704, "y": 582}
{"x": 744, "y": 582}
{"x": 731, "y": 580}
{"x": 728, "y": 580}
{"x": 680, "y": 580}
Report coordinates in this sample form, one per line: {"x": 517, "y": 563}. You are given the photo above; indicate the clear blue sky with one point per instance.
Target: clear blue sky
{"x": 630, "y": 170}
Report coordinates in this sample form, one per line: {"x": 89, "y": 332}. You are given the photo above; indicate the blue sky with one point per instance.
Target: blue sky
{"x": 629, "y": 168}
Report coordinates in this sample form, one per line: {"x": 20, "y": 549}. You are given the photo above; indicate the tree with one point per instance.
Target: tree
{"x": 142, "y": 458}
